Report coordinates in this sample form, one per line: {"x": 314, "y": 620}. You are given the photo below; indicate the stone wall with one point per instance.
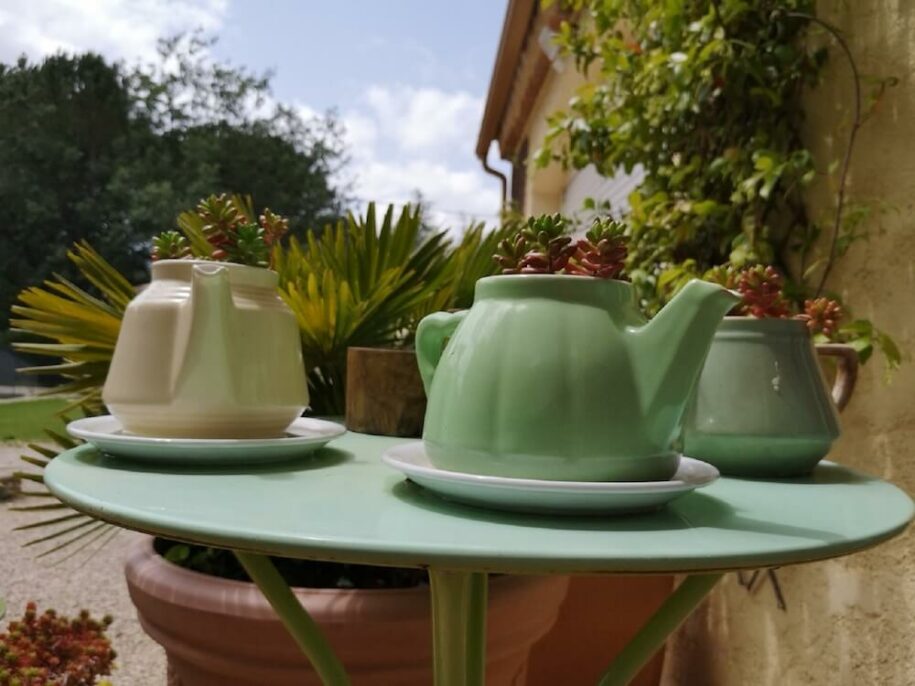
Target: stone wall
{"x": 849, "y": 621}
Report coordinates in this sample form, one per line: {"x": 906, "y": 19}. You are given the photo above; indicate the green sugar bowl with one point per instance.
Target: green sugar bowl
{"x": 761, "y": 407}
{"x": 559, "y": 377}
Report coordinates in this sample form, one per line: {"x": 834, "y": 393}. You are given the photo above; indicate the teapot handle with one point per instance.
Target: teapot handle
{"x": 846, "y": 371}
{"x": 430, "y": 339}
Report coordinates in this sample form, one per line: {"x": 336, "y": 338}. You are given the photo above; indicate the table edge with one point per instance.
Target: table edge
{"x": 356, "y": 553}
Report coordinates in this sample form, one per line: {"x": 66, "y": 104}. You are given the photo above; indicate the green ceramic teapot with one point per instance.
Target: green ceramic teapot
{"x": 559, "y": 377}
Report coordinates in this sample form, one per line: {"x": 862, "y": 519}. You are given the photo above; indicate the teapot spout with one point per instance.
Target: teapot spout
{"x": 670, "y": 350}
{"x": 206, "y": 335}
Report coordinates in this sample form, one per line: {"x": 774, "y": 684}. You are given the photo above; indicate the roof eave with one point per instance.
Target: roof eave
{"x": 515, "y": 28}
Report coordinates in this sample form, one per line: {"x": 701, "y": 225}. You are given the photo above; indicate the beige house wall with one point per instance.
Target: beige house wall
{"x": 544, "y": 186}
{"x": 850, "y": 621}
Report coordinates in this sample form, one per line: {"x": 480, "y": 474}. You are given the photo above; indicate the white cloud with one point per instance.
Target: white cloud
{"x": 115, "y": 28}
{"x": 424, "y": 119}
{"x": 400, "y": 138}
{"x": 403, "y": 139}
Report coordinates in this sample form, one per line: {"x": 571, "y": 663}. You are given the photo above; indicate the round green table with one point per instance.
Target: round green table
{"x": 343, "y": 504}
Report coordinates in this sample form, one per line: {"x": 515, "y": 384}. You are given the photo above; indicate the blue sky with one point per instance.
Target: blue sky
{"x": 407, "y": 78}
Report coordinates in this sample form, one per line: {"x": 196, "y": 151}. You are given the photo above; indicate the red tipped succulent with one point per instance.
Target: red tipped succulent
{"x": 221, "y": 228}
{"x": 822, "y": 316}
{"x": 50, "y": 649}
{"x": 541, "y": 247}
{"x": 762, "y": 290}
{"x": 602, "y": 252}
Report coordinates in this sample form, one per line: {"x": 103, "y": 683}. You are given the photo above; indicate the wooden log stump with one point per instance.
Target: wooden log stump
{"x": 384, "y": 392}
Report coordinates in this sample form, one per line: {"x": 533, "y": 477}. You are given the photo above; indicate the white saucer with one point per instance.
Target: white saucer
{"x": 550, "y": 497}
{"x": 303, "y": 436}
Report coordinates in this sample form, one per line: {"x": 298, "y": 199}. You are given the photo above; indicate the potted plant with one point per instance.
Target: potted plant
{"x": 761, "y": 407}
{"x": 337, "y": 302}
{"x": 542, "y": 255}
{"x": 217, "y": 628}
{"x": 384, "y": 391}
{"x": 190, "y": 356}
{"x": 51, "y": 649}
{"x": 553, "y": 373}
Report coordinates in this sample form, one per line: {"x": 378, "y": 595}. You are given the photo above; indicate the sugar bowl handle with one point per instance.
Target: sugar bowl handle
{"x": 430, "y": 341}
{"x": 846, "y": 371}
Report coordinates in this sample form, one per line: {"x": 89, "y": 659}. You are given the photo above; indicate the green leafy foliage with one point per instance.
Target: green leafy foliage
{"x": 360, "y": 283}
{"x": 296, "y": 573}
{"x": 704, "y": 97}
{"x": 83, "y": 328}
{"x": 26, "y": 419}
{"x": 468, "y": 262}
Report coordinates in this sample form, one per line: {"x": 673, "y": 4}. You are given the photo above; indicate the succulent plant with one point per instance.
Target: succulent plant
{"x": 274, "y": 226}
{"x": 763, "y": 291}
{"x": 247, "y": 246}
{"x": 541, "y": 247}
{"x": 50, "y": 649}
{"x": 223, "y": 228}
{"x": 602, "y": 253}
{"x": 511, "y": 252}
{"x": 822, "y": 316}
{"x": 170, "y": 245}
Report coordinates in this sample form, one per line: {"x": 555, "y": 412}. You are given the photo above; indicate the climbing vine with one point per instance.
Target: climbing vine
{"x": 705, "y": 98}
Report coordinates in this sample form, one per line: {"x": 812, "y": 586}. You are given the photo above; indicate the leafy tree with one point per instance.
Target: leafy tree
{"x": 63, "y": 127}
{"x": 91, "y": 150}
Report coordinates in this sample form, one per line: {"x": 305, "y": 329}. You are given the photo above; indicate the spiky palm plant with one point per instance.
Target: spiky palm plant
{"x": 80, "y": 331}
{"x": 468, "y": 262}
{"x": 359, "y": 283}
{"x": 82, "y": 328}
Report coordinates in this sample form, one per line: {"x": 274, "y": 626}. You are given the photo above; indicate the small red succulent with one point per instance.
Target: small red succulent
{"x": 47, "y": 649}
{"x": 822, "y": 316}
{"x": 541, "y": 247}
{"x": 762, "y": 290}
{"x": 602, "y": 252}
{"x": 229, "y": 234}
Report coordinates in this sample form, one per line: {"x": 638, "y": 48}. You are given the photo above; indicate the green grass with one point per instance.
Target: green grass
{"x": 26, "y": 419}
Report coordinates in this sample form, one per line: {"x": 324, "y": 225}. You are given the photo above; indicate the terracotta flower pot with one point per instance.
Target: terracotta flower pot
{"x": 218, "y": 632}
{"x": 599, "y": 616}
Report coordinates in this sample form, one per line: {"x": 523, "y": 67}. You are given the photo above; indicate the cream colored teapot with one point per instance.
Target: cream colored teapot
{"x": 207, "y": 350}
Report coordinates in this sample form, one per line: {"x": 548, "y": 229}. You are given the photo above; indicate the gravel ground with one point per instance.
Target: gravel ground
{"x": 94, "y": 581}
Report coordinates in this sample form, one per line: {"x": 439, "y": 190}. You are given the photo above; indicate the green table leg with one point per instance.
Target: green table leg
{"x": 295, "y": 618}
{"x": 658, "y": 629}
{"x": 459, "y": 627}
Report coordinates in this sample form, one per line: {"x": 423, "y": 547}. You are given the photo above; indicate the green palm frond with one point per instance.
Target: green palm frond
{"x": 67, "y": 529}
{"x": 78, "y": 329}
{"x": 82, "y": 328}
{"x": 360, "y": 283}
{"x": 468, "y": 262}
